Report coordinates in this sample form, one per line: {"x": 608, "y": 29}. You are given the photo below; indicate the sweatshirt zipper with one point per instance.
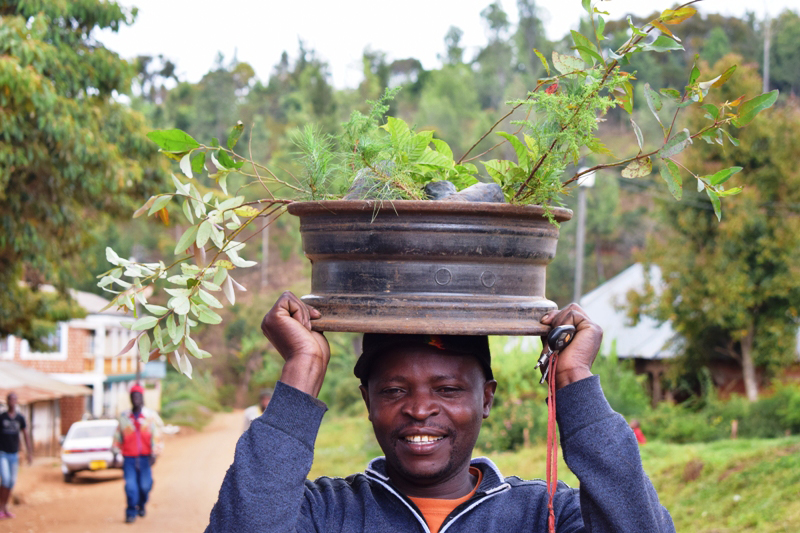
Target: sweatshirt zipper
{"x": 487, "y": 495}
{"x": 421, "y": 520}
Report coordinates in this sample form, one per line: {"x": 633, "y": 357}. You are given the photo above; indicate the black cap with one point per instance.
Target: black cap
{"x": 377, "y": 343}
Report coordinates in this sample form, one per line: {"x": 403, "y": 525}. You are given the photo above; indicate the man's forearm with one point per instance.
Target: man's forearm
{"x": 600, "y": 448}
{"x": 263, "y": 489}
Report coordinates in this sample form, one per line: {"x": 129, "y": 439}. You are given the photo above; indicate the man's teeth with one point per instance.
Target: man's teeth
{"x": 423, "y": 438}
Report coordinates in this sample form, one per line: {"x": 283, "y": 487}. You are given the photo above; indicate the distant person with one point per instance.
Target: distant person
{"x": 254, "y": 411}
{"x": 139, "y": 439}
{"x": 11, "y": 424}
{"x": 640, "y": 438}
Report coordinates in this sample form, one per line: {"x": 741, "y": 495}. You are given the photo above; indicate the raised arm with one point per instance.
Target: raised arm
{"x": 599, "y": 447}
{"x": 263, "y": 489}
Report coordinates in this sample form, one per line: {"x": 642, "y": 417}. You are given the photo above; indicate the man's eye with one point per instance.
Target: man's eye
{"x": 390, "y": 391}
{"x": 450, "y": 390}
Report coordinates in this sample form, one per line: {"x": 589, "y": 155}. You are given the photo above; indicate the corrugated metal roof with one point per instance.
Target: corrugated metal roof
{"x": 606, "y": 305}
{"x": 33, "y": 386}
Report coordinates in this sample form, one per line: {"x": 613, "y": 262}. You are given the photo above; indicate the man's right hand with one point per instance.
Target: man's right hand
{"x": 306, "y": 353}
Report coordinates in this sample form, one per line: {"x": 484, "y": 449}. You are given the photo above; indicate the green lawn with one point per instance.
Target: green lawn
{"x": 720, "y": 487}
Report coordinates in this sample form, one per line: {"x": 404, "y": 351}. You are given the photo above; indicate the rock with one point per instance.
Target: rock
{"x": 480, "y": 192}
{"x": 362, "y": 185}
{"x": 439, "y": 190}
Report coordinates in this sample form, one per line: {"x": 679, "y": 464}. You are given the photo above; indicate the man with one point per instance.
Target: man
{"x": 139, "y": 440}
{"x": 426, "y": 397}
{"x": 12, "y": 423}
{"x": 254, "y": 411}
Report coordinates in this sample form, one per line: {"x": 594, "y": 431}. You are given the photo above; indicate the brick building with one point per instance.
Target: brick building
{"x": 86, "y": 351}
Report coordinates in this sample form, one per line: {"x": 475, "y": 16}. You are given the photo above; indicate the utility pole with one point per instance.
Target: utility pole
{"x": 264, "y": 257}
{"x": 767, "y": 44}
{"x": 585, "y": 182}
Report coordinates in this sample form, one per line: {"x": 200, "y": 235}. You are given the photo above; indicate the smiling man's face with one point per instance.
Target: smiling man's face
{"x": 426, "y": 407}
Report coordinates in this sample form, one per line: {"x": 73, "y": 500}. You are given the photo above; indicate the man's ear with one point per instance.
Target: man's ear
{"x": 365, "y": 396}
{"x": 489, "y": 389}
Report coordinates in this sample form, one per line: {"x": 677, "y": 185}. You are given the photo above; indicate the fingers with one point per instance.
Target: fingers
{"x": 577, "y": 358}
{"x": 289, "y": 306}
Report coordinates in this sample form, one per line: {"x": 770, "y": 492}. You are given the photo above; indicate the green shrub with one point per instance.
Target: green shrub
{"x": 186, "y": 402}
{"x": 624, "y": 390}
{"x": 708, "y": 418}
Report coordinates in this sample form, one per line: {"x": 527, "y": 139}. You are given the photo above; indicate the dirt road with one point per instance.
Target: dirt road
{"x": 186, "y": 477}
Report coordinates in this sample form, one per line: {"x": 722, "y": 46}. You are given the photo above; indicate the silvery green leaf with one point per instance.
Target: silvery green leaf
{"x": 175, "y": 361}
{"x": 186, "y": 240}
{"x": 216, "y": 162}
{"x": 209, "y": 317}
{"x": 178, "y": 280}
{"x": 186, "y": 366}
{"x": 157, "y": 310}
{"x": 219, "y": 276}
{"x": 191, "y": 345}
{"x": 210, "y": 286}
{"x": 158, "y": 336}
{"x": 180, "y": 304}
{"x": 132, "y": 271}
{"x": 217, "y": 237}
{"x": 187, "y": 211}
{"x": 238, "y": 286}
{"x": 189, "y": 269}
{"x": 241, "y": 263}
{"x": 186, "y": 165}
{"x": 180, "y": 188}
{"x": 160, "y": 203}
{"x": 144, "y": 323}
{"x": 144, "y": 347}
{"x": 203, "y": 233}
{"x": 227, "y": 288}
{"x": 128, "y": 345}
{"x": 123, "y": 284}
{"x": 209, "y": 300}
{"x": 178, "y": 292}
{"x": 111, "y": 256}
{"x": 171, "y": 328}
{"x": 231, "y": 203}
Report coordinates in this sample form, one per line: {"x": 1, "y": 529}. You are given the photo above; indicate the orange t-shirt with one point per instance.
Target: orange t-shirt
{"x": 435, "y": 510}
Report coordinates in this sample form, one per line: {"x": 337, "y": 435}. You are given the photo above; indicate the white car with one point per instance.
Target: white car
{"x": 89, "y": 446}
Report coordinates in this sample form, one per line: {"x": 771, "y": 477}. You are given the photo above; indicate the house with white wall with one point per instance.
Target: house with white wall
{"x": 86, "y": 351}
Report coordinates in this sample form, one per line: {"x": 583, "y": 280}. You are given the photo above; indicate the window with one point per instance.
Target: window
{"x": 57, "y": 342}
{"x": 7, "y": 347}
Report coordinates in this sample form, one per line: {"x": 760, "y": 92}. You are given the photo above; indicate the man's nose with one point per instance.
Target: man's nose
{"x": 421, "y": 406}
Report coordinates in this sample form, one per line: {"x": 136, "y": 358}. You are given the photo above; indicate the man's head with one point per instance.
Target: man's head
{"x": 427, "y": 398}
{"x": 137, "y": 396}
{"x": 11, "y": 401}
{"x": 264, "y": 398}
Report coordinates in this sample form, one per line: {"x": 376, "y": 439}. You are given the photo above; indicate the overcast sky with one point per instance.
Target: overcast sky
{"x": 192, "y": 32}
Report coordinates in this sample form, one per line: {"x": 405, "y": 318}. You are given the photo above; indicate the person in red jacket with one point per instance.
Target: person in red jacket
{"x": 139, "y": 440}
{"x": 640, "y": 438}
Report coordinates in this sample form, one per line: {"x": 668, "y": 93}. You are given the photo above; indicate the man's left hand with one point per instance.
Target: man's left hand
{"x": 575, "y": 361}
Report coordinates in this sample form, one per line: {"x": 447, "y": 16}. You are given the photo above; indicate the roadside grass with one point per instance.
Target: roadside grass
{"x": 730, "y": 486}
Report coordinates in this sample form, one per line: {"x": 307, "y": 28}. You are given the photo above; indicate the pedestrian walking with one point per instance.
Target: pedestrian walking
{"x": 139, "y": 439}
{"x": 12, "y": 423}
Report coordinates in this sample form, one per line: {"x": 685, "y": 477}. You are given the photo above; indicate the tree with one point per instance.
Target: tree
{"x": 494, "y": 62}
{"x": 785, "y": 52}
{"x": 452, "y": 43}
{"x": 732, "y": 288}
{"x": 69, "y": 151}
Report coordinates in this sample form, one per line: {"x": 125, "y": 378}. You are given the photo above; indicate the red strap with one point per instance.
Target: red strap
{"x": 552, "y": 443}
